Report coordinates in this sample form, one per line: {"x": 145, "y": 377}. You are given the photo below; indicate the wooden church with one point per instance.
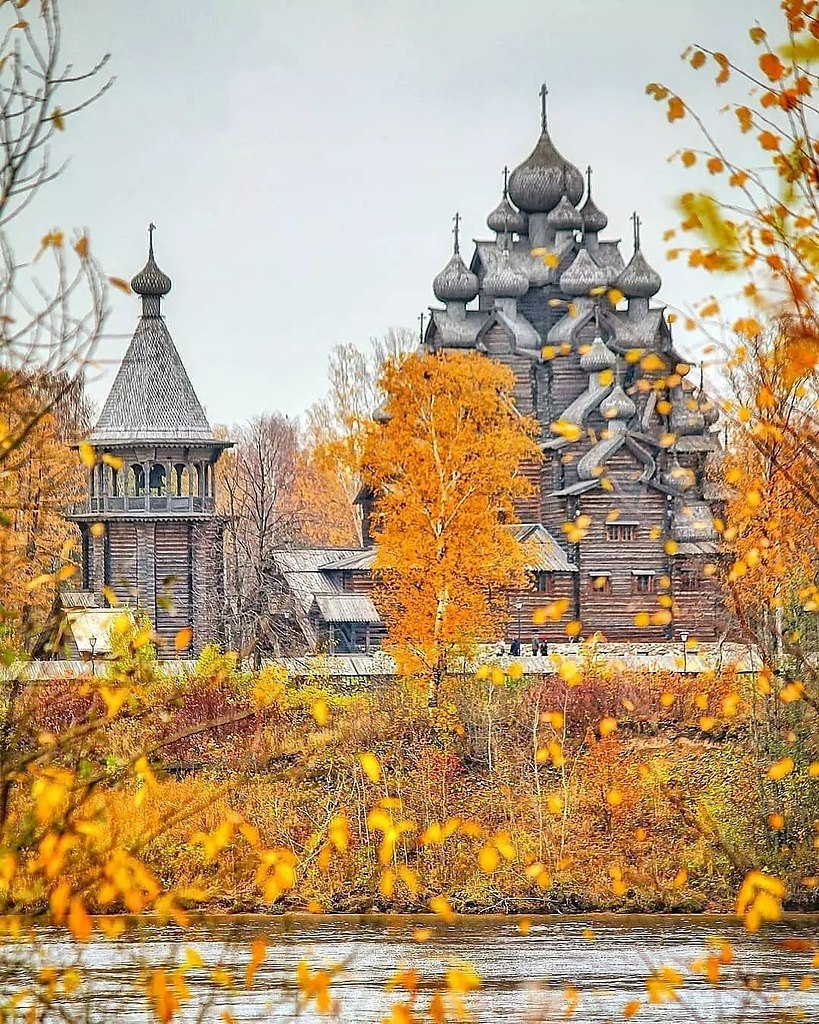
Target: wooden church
{"x": 623, "y": 500}
{"x": 151, "y": 535}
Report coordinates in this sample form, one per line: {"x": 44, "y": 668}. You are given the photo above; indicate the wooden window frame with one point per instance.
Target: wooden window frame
{"x": 650, "y": 578}
{"x": 545, "y": 582}
{"x": 606, "y": 588}
{"x": 618, "y": 533}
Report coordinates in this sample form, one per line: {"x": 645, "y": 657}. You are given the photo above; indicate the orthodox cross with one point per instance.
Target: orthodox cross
{"x": 421, "y": 322}
{"x": 505, "y": 182}
{"x": 588, "y": 180}
{"x": 455, "y": 231}
{"x": 151, "y": 229}
{"x": 544, "y": 92}
{"x": 635, "y": 220}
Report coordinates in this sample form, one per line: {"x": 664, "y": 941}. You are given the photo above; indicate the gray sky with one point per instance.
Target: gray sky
{"x": 302, "y": 158}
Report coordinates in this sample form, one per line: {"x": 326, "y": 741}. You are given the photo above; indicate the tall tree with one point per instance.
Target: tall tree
{"x": 257, "y": 476}
{"x": 754, "y": 224}
{"x": 337, "y": 425}
{"x": 444, "y": 469}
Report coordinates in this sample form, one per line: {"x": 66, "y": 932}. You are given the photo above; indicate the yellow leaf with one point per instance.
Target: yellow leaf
{"x": 780, "y": 769}
{"x": 58, "y": 119}
{"x": 114, "y": 699}
{"x": 440, "y": 906}
{"x": 87, "y": 455}
{"x": 123, "y": 286}
{"x": 320, "y": 712}
{"x": 488, "y": 859}
{"x": 114, "y": 461}
{"x": 615, "y": 296}
{"x": 182, "y": 640}
{"x": 614, "y": 798}
{"x": 81, "y": 247}
{"x": 607, "y": 726}
{"x": 371, "y": 767}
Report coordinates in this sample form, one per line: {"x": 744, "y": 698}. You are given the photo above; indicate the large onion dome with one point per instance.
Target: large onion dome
{"x": 506, "y": 219}
{"x": 638, "y": 280}
{"x": 504, "y": 280}
{"x": 565, "y": 216}
{"x": 599, "y": 357}
{"x": 455, "y": 283}
{"x": 151, "y": 280}
{"x": 618, "y": 406}
{"x": 583, "y": 275}
{"x": 545, "y": 175}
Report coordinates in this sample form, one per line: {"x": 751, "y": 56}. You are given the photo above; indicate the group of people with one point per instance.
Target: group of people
{"x": 539, "y": 647}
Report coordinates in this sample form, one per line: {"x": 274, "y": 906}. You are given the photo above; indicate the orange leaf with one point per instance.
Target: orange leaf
{"x": 676, "y": 109}
{"x": 768, "y": 140}
{"x": 182, "y": 640}
{"x": 123, "y": 286}
{"x": 771, "y": 66}
{"x": 688, "y": 157}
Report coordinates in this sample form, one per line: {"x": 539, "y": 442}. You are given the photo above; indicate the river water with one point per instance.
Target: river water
{"x": 524, "y": 977}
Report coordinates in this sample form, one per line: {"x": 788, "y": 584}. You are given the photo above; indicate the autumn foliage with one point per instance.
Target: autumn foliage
{"x": 444, "y": 472}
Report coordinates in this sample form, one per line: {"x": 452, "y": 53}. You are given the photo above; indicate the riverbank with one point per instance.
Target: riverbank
{"x": 606, "y": 793}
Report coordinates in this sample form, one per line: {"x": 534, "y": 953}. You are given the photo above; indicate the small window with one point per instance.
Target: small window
{"x": 621, "y": 531}
{"x": 545, "y": 582}
{"x": 643, "y": 583}
{"x": 685, "y": 581}
{"x": 599, "y": 583}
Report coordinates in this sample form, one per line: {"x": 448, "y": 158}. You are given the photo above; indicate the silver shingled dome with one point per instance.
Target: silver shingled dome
{"x": 583, "y": 275}
{"x": 504, "y": 281}
{"x": 455, "y": 283}
{"x": 565, "y": 216}
{"x": 536, "y": 185}
{"x": 598, "y": 358}
{"x": 505, "y": 218}
{"x": 638, "y": 280}
{"x": 594, "y": 219}
{"x": 618, "y": 406}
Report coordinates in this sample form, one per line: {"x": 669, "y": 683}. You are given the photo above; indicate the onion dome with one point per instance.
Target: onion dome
{"x": 618, "y": 406}
{"x": 565, "y": 216}
{"x": 455, "y": 283}
{"x": 536, "y": 185}
{"x": 505, "y": 219}
{"x": 151, "y": 280}
{"x": 638, "y": 280}
{"x": 594, "y": 219}
{"x": 583, "y": 275}
{"x": 599, "y": 357}
{"x": 504, "y": 280}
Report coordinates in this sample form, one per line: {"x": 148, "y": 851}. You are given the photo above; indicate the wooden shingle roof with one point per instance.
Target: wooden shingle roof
{"x": 152, "y": 398}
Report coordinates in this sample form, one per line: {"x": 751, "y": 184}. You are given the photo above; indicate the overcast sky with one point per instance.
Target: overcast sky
{"x": 302, "y": 159}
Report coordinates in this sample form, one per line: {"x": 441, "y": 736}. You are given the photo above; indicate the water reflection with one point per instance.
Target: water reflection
{"x": 524, "y": 977}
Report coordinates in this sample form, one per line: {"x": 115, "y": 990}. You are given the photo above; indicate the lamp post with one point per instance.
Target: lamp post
{"x": 93, "y": 643}
{"x": 684, "y": 638}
